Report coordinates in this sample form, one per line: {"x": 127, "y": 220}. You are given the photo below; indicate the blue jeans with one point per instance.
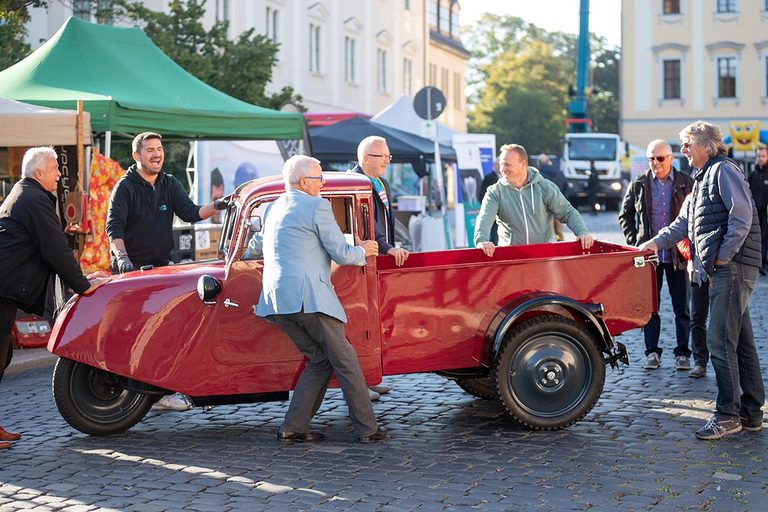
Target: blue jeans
{"x": 731, "y": 343}
{"x": 677, "y": 282}
{"x": 699, "y": 312}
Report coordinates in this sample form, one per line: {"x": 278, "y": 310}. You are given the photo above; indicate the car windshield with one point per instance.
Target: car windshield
{"x": 592, "y": 149}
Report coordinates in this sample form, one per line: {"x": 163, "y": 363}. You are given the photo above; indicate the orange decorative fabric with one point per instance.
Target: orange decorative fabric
{"x": 105, "y": 173}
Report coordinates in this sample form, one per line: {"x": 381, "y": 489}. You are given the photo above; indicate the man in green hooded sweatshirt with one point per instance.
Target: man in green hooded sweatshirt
{"x": 523, "y": 203}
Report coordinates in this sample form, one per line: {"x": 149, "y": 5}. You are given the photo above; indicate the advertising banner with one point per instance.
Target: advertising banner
{"x": 475, "y": 153}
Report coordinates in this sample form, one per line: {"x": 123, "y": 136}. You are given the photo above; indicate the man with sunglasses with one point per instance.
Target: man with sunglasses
{"x": 652, "y": 202}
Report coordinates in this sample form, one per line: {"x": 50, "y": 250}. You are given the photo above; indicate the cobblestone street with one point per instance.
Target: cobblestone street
{"x": 448, "y": 451}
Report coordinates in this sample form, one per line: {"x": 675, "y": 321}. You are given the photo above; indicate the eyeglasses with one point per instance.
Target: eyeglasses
{"x": 321, "y": 178}
{"x": 658, "y": 158}
{"x": 388, "y": 158}
{"x": 686, "y": 145}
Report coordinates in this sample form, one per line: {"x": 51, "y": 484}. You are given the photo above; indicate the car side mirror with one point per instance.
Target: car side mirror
{"x": 208, "y": 287}
{"x": 254, "y": 224}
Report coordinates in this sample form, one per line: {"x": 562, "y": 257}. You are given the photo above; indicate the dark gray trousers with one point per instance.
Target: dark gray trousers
{"x": 322, "y": 341}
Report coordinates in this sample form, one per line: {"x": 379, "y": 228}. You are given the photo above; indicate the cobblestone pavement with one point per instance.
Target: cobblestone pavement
{"x": 448, "y": 450}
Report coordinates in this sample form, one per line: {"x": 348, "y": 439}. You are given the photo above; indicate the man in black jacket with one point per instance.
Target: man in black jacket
{"x": 758, "y": 184}
{"x": 652, "y": 202}
{"x": 32, "y": 246}
{"x": 140, "y": 218}
{"x": 142, "y": 206}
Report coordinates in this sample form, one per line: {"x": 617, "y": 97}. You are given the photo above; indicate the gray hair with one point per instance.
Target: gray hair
{"x": 542, "y": 160}
{"x": 362, "y": 148}
{"x": 296, "y": 168}
{"x": 34, "y": 159}
{"x": 658, "y": 142}
{"x": 707, "y": 135}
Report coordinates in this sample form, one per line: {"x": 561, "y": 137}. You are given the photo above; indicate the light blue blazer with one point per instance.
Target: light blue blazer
{"x": 300, "y": 239}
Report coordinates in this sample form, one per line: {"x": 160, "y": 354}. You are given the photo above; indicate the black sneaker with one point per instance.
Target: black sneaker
{"x": 716, "y": 428}
{"x": 751, "y": 425}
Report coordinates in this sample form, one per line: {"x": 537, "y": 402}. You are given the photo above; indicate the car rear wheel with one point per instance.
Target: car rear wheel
{"x": 93, "y": 401}
{"x": 549, "y": 372}
{"x": 480, "y": 387}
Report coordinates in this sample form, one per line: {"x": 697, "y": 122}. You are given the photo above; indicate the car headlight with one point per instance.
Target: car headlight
{"x": 616, "y": 186}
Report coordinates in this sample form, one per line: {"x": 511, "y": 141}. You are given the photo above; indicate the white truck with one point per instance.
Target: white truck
{"x": 606, "y": 150}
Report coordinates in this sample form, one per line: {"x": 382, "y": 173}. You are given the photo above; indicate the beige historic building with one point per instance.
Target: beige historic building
{"x": 339, "y": 55}
{"x": 684, "y": 60}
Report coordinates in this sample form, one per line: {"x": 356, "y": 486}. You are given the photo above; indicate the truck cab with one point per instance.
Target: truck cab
{"x": 606, "y": 151}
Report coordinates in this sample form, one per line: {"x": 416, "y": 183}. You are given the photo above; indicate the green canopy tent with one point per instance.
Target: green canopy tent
{"x": 129, "y": 85}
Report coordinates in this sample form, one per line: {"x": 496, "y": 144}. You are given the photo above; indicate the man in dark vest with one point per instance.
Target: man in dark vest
{"x": 722, "y": 223}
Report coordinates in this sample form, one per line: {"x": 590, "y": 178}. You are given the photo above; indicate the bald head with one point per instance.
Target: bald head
{"x": 659, "y": 155}
{"x": 660, "y": 145}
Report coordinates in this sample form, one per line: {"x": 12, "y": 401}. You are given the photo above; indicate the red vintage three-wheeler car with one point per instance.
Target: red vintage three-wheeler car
{"x": 531, "y": 327}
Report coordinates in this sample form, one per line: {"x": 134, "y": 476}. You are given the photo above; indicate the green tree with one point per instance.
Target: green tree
{"x": 14, "y": 15}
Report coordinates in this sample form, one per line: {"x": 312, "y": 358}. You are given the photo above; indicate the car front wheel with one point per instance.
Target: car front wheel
{"x": 93, "y": 401}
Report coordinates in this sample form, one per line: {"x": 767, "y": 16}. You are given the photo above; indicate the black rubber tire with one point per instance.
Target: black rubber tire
{"x": 480, "y": 387}
{"x": 549, "y": 372}
{"x": 93, "y": 401}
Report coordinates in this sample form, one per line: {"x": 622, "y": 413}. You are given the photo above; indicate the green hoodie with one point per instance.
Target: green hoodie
{"x": 525, "y": 215}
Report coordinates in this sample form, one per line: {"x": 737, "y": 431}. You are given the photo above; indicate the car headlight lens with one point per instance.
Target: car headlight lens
{"x": 616, "y": 186}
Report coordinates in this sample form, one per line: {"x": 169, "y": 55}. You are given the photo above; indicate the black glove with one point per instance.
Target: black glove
{"x": 221, "y": 204}
{"x": 124, "y": 264}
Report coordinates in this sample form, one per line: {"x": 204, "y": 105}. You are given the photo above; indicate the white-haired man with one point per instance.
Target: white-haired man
{"x": 721, "y": 221}
{"x": 300, "y": 239}
{"x": 32, "y": 246}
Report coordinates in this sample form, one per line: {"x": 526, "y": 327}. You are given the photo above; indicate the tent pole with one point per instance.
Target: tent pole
{"x": 80, "y": 174}
{"x": 108, "y": 144}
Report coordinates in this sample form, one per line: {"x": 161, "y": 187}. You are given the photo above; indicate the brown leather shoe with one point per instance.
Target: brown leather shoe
{"x": 378, "y": 436}
{"x": 300, "y": 437}
{"x": 5, "y": 444}
{"x": 8, "y": 436}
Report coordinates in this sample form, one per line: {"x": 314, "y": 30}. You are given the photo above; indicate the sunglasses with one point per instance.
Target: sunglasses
{"x": 388, "y": 158}
{"x": 658, "y": 158}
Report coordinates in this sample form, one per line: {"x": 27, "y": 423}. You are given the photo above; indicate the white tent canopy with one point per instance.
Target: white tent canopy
{"x": 22, "y": 124}
{"x": 401, "y": 115}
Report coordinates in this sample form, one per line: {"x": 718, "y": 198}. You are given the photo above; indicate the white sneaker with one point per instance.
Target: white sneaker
{"x": 175, "y": 402}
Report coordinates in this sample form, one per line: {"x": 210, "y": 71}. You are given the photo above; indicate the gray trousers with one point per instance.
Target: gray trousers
{"x": 322, "y": 341}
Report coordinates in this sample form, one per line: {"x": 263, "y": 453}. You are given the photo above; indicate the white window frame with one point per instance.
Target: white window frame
{"x": 407, "y": 76}
{"x": 762, "y": 52}
{"x": 350, "y": 59}
{"x": 315, "y": 48}
{"x": 662, "y": 88}
{"x": 382, "y": 71}
{"x": 273, "y": 23}
{"x": 735, "y": 7}
{"x": 716, "y": 90}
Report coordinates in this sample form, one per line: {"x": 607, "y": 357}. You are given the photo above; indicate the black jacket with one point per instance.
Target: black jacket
{"x": 32, "y": 245}
{"x": 142, "y": 216}
{"x": 635, "y": 213}
{"x": 758, "y": 184}
{"x": 383, "y": 219}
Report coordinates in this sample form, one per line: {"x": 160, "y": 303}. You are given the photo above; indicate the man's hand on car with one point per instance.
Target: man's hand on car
{"x": 586, "y": 241}
{"x": 124, "y": 264}
{"x": 487, "y": 247}
{"x": 221, "y": 204}
{"x": 399, "y": 254}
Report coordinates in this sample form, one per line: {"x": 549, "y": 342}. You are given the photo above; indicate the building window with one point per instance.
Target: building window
{"x": 408, "y": 77}
{"x": 273, "y": 16}
{"x": 82, "y": 9}
{"x": 222, "y": 10}
{"x": 458, "y": 87}
{"x": 433, "y": 74}
{"x": 444, "y": 81}
{"x": 726, "y": 5}
{"x": 444, "y": 16}
{"x": 381, "y": 60}
{"x": 349, "y": 59}
{"x": 455, "y": 26}
{"x": 407, "y": 5}
{"x": 671, "y": 79}
{"x": 726, "y": 77}
{"x": 432, "y": 13}
{"x": 314, "y": 48}
{"x": 670, "y": 7}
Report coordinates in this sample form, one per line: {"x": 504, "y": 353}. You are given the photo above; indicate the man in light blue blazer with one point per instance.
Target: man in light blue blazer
{"x": 300, "y": 239}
